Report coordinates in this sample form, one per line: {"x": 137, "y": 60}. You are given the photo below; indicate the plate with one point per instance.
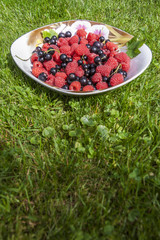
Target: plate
{"x": 24, "y": 46}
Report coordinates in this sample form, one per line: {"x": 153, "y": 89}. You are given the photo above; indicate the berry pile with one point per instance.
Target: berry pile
{"x": 83, "y": 62}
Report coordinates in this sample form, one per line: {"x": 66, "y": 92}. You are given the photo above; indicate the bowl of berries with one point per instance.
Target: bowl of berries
{"x": 81, "y": 57}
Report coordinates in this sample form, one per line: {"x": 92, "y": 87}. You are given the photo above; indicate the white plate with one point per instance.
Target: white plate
{"x": 24, "y": 46}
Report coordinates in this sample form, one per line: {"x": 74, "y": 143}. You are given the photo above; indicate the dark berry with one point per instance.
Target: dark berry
{"x": 40, "y": 53}
{"x": 69, "y": 60}
{"x": 63, "y": 57}
{"x": 83, "y": 80}
{"x": 53, "y": 37}
{"x": 58, "y": 67}
{"x": 85, "y": 66}
{"x": 100, "y": 52}
{"x": 89, "y": 82}
{"x": 84, "y": 57}
{"x": 94, "y": 49}
{"x": 103, "y": 57}
{"x": 68, "y": 34}
{"x": 48, "y": 57}
{"x": 77, "y": 78}
{"x": 38, "y": 49}
{"x": 51, "y": 50}
{"x": 80, "y": 62}
{"x": 42, "y": 76}
{"x": 69, "y": 81}
{"x": 88, "y": 46}
{"x": 87, "y": 72}
{"x": 41, "y": 59}
{"x": 92, "y": 71}
{"x": 46, "y": 40}
{"x": 107, "y": 41}
{"x": 97, "y": 60}
{"x": 65, "y": 87}
{"x": 64, "y": 64}
{"x": 92, "y": 65}
{"x": 97, "y": 44}
{"x": 72, "y": 76}
{"x": 101, "y": 39}
{"x": 124, "y": 73}
{"x": 53, "y": 41}
{"x": 105, "y": 79}
{"x": 61, "y": 35}
{"x": 53, "y": 71}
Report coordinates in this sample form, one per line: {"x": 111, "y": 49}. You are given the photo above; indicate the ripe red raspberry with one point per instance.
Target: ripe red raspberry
{"x": 91, "y": 42}
{"x": 112, "y": 53}
{"x": 111, "y": 46}
{"x": 112, "y": 62}
{"x": 79, "y": 71}
{"x": 61, "y": 42}
{"x": 125, "y": 66}
{"x": 74, "y": 39}
{"x": 45, "y": 47}
{"x": 54, "y": 46}
{"x": 103, "y": 70}
{"x": 37, "y": 64}
{"x": 76, "y": 57}
{"x": 81, "y": 32}
{"x": 91, "y": 57}
{"x": 84, "y": 41}
{"x": 56, "y": 57}
{"x": 59, "y": 82}
{"x": 71, "y": 67}
{"x": 49, "y": 64}
{"x": 61, "y": 74}
{"x": 91, "y": 36}
{"x": 37, "y": 70}
{"x": 101, "y": 85}
{"x": 82, "y": 50}
{"x": 75, "y": 86}
{"x": 88, "y": 88}
{"x": 50, "y": 80}
{"x": 73, "y": 48}
{"x": 116, "y": 79}
{"x": 66, "y": 49}
{"x": 97, "y": 77}
{"x": 34, "y": 57}
{"x": 122, "y": 57}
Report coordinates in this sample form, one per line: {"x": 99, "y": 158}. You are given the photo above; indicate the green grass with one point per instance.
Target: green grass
{"x": 79, "y": 168}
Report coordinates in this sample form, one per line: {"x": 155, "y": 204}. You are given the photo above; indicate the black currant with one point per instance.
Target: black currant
{"x": 63, "y": 64}
{"x": 97, "y": 60}
{"x": 101, "y": 39}
{"x": 72, "y": 76}
{"x": 84, "y": 57}
{"x": 87, "y": 72}
{"x": 53, "y": 71}
{"x": 92, "y": 71}
{"x": 53, "y": 37}
{"x": 107, "y": 41}
{"x": 97, "y": 44}
{"x": 83, "y": 80}
{"x": 94, "y": 49}
{"x": 38, "y": 49}
{"x": 61, "y": 35}
{"x": 66, "y": 87}
{"x": 40, "y": 53}
{"x": 41, "y": 59}
{"x": 58, "y": 67}
{"x": 103, "y": 57}
{"x": 52, "y": 41}
{"x": 88, "y": 46}
{"x": 42, "y": 76}
{"x": 48, "y": 56}
{"x": 68, "y": 34}
{"x": 80, "y": 62}
{"x": 51, "y": 50}
{"x": 100, "y": 52}
{"x": 63, "y": 57}
{"x": 46, "y": 40}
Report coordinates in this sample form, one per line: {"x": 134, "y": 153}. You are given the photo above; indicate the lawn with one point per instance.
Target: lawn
{"x": 79, "y": 168}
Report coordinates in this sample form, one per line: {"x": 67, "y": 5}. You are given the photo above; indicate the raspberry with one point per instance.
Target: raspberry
{"x": 66, "y": 49}
{"x": 56, "y": 57}
{"x": 122, "y": 57}
{"x": 79, "y": 71}
{"x": 88, "y": 88}
{"x": 71, "y": 67}
{"x": 54, "y": 47}
{"x": 61, "y": 74}
{"x": 37, "y": 64}
{"x": 59, "y": 82}
{"x": 91, "y": 36}
{"x": 103, "y": 70}
{"x": 50, "y": 80}
{"x": 112, "y": 53}
{"x": 111, "y": 46}
{"x": 61, "y": 42}
{"x": 84, "y": 41}
{"x": 37, "y": 70}
{"x": 75, "y": 86}
{"x": 45, "y": 47}
{"x": 112, "y": 62}
{"x": 49, "y": 64}
{"x": 116, "y": 79}
{"x": 91, "y": 57}
{"x": 73, "y": 48}
{"x": 34, "y": 57}
{"x": 125, "y": 66}
{"x": 92, "y": 42}
{"x": 74, "y": 39}
{"x": 76, "y": 57}
{"x": 82, "y": 50}
{"x": 101, "y": 85}
{"x": 97, "y": 77}
{"x": 81, "y": 32}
